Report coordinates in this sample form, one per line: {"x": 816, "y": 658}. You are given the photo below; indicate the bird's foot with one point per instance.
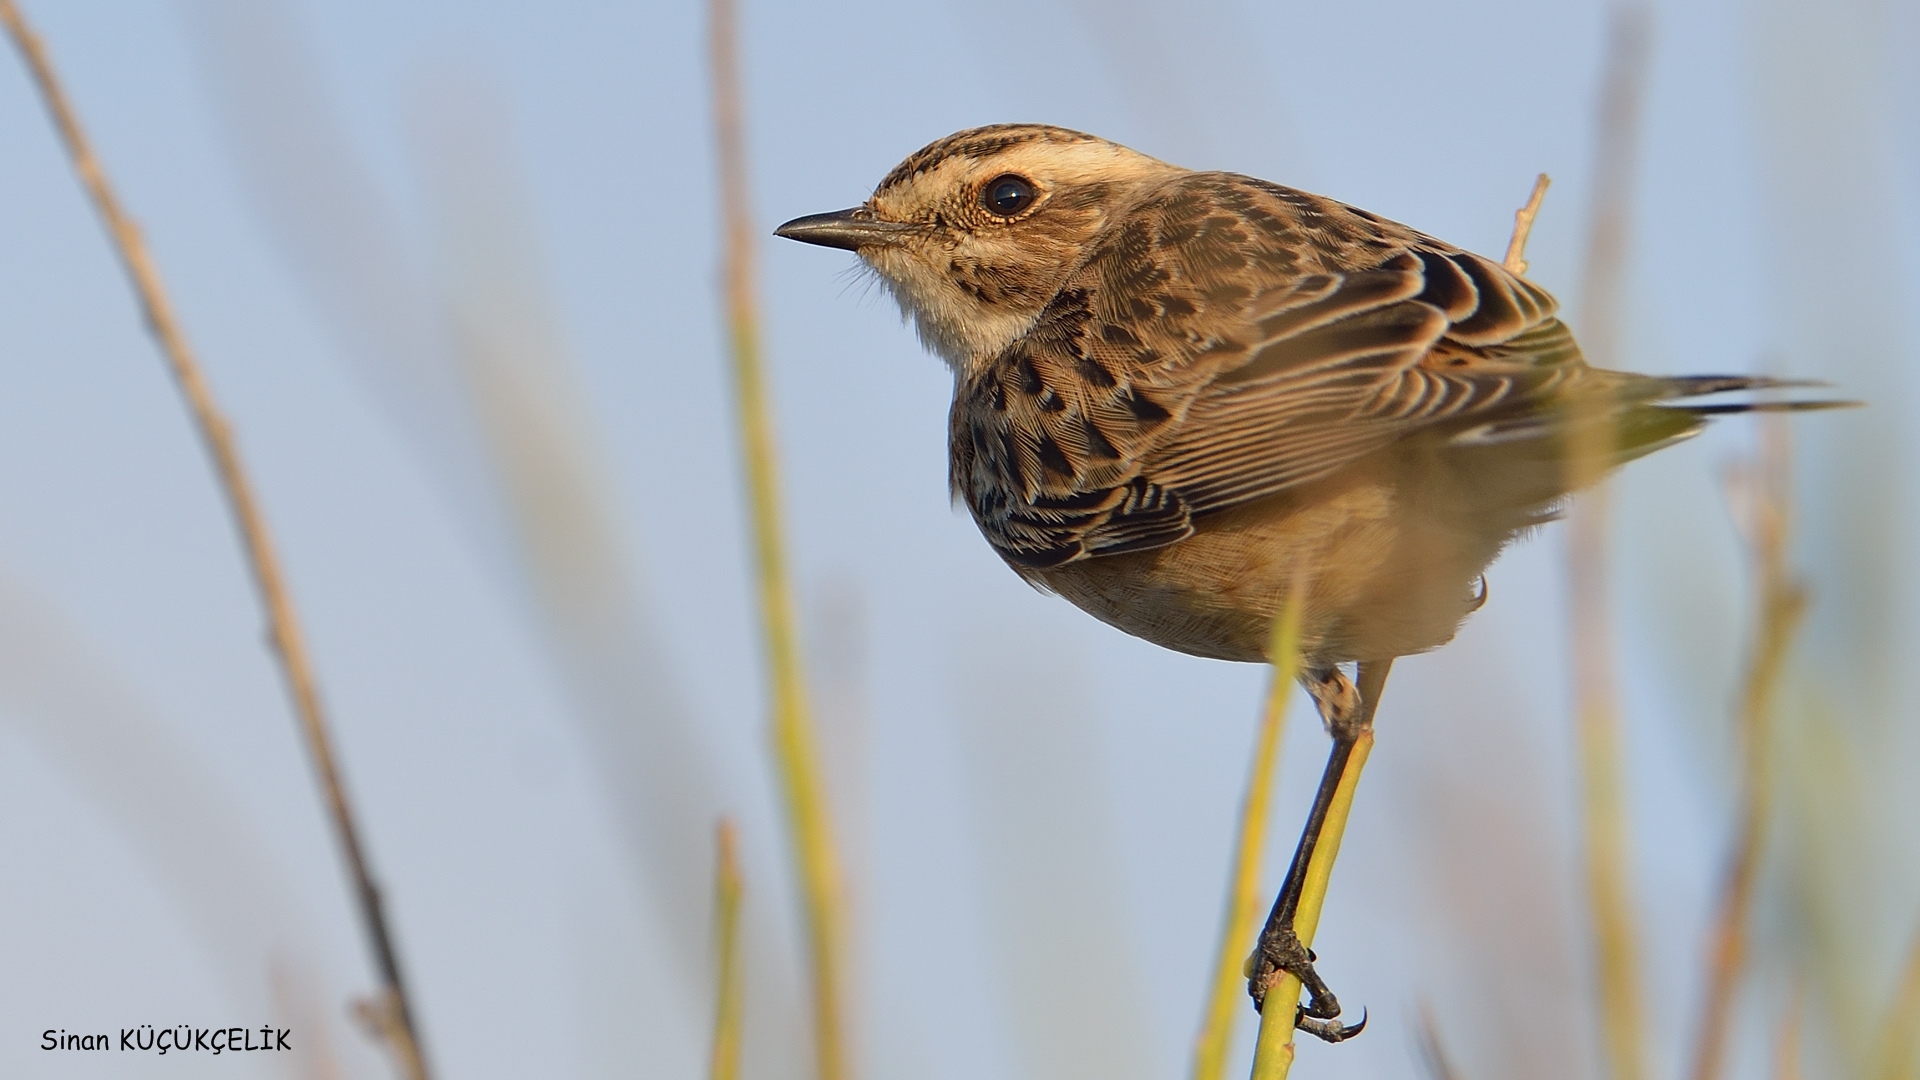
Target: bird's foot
{"x": 1281, "y": 952}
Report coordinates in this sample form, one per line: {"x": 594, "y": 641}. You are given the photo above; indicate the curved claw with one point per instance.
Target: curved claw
{"x": 1480, "y": 600}
{"x": 1330, "y": 1030}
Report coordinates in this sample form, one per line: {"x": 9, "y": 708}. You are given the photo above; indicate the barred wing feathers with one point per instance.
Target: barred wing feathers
{"x": 1226, "y": 340}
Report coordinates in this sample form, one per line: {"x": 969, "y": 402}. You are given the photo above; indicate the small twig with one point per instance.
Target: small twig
{"x": 1243, "y": 896}
{"x": 793, "y": 736}
{"x": 1516, "y": 260}
{"x": 1782, "y": 603}
{"x": 389, "y": 1005}
{"x": 1590, "y": 449}
{"x": 727, "y": 887}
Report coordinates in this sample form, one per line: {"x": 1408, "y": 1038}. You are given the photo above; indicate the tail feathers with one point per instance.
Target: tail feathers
{"x": 1692, "y": 386}
{"x": 1658, "y": 422}
{"x": 1525, "y": 461}
{"x": 1649, "y": 412}
{"x": 1688, "y": 386}
{"x": 1726, "y": 408}
{"x": 1671, "y": 392}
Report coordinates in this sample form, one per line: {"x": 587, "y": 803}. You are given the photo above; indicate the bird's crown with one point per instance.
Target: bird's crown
{"x": 976, "y": 143}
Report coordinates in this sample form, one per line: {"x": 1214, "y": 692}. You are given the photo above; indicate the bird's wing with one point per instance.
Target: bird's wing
{"x": 1226, "y": 340}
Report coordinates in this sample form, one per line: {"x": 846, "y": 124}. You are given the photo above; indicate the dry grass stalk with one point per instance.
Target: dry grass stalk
{"x": 724, "y": 1064}
{"x": 1241, "y": 922}
{"x": 1603, "y": 785}
{"x": 793, "y": 736}
{"x": 384, "y": 1017}
{"x": 1516, "y": 260}
{"x": 388, "y": 1007}
{"x": 1273, "y": 1052}
{"x": 1782, "y": 604}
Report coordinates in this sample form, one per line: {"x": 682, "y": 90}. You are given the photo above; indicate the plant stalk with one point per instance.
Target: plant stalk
{"x": 1241, "y": 920}
{"x": 724, "y": 1062}
{"x": 390, "y": 1011}
{"x": 795, "y": 751}
{"x": 1273, "y": 1052}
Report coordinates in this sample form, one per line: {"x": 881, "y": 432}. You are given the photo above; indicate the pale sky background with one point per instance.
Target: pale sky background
{"x": 452, "y": 269}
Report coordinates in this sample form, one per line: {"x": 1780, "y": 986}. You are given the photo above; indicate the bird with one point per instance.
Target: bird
{"x": 1182, "y": 397}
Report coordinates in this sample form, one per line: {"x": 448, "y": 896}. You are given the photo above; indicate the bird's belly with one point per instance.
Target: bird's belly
{"x": 1384, "y": 577}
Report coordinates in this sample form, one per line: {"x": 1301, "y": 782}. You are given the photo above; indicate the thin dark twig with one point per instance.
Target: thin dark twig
{"x": 393, "y": 1011}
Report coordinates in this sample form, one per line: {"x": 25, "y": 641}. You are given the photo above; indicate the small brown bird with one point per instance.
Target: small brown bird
{"x": 1177, "y": 394}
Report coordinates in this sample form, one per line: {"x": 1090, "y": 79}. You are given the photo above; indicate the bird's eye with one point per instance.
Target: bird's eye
{"x": 1007, "y": 195}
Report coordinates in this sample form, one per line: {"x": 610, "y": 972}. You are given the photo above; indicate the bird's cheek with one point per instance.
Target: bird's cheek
{"x": 888, "y": 262}
{"x": 916, "y": 285}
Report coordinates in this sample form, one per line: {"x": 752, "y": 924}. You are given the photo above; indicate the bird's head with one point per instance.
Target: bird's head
{"x": 975, "y": 233}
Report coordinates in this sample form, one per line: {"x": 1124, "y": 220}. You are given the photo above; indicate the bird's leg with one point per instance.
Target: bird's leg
{"x": 1348, "y": 712}
{"x": 1280, "y": 949}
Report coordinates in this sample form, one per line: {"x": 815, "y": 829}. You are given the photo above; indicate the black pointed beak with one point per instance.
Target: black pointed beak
{"x": 848, "y": 229}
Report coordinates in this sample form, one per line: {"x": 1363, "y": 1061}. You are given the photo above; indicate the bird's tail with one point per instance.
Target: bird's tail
{"x": 1668, "y": 406}
{"x": 1647, "y": 413}
{"x": 1530, "y": 459}
{"x": 1674, "y": 390}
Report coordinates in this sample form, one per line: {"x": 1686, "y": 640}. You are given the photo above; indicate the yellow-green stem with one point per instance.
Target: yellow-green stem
{"x": 1243, "y": 896}
{"x": 1273, "y": 1052}
{"x": 794, "y": 745}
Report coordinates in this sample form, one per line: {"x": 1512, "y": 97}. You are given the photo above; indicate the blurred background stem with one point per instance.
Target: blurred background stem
{"x": 1765, "y": 492}
{"x": 725, "y": 1062}
{"x": 1597, "y": 710}
{"x": 1900, "y": 1032}
{"x": 388, "y": 1011}
{"x": 1786, "y": 1042}
{"x": 793, "y": 736}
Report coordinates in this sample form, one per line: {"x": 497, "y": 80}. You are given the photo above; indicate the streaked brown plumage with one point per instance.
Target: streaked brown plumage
{"x": 1177, "y": 394}
{"x": 1176, "y": 391}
